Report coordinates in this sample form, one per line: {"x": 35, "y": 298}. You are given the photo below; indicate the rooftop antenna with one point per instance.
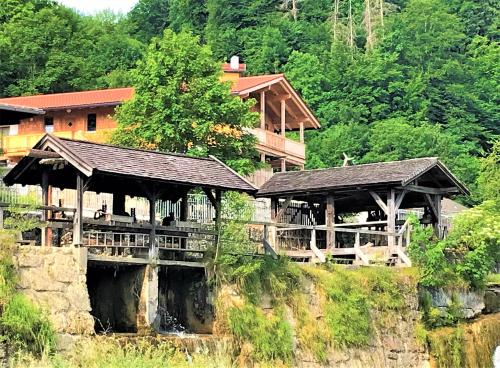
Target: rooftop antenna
{"x": 346, "y": 160}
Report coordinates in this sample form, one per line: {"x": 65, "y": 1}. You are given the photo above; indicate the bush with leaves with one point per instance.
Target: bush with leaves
{"x": 466, "y": 256}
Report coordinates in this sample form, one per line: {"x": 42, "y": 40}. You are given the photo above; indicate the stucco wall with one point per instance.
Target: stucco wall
{"x": 55, "y": 278}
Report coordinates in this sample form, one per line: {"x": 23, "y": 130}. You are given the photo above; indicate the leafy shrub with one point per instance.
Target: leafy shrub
{"x": 26, "y": 327}
{"x": 468, "y": 254}
{"x": 270, "y": 336}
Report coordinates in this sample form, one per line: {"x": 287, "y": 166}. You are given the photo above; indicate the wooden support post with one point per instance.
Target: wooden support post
{"x": 438, "y": 222}
{"x": 45, "y": 202}
{"x": 153, "y": 249}
{"x": 330, "y": 221}
{"x": 1, "y": 218}
{"x": 218, "y": 208}
{"x": 391, "y": 217}
{"x": 301, "y": 131}
{"x": 263, "y": 157}
{"x": 283, "y": 117}
{"x": 263, "y": 110}
{"x": 283, "y": 165}
{"x": 119, "y": 204}
{"x": 184, "y": 208}
{"x": 78, "y": 219}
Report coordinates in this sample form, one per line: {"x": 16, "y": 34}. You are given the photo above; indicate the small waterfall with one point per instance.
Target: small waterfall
{"x": 169, "y": 324}
{"x": 496, "y": 357}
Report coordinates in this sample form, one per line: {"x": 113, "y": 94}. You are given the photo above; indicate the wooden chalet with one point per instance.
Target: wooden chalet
{"x": 86, "y": 166}
{"x": 326, "y": 201}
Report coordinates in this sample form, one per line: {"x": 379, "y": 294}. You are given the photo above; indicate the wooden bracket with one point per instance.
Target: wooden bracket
{"x": 379, "y": 201}
{"x": 282, "y": 211}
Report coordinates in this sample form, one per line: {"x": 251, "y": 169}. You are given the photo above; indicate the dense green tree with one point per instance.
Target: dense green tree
{"x": 180, "y": 105}
{"x": 148, "y": 18}
{"x": 188, "y": 15}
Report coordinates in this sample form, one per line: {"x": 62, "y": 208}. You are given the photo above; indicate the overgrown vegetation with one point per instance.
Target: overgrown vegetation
{"x": 105, "y": 352}
{"x": 23, "y": 325}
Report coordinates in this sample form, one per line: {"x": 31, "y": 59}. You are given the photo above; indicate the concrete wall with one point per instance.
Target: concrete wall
{"x": 55, "y": 278}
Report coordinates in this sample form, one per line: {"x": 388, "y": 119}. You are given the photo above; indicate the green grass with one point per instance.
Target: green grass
{"x": 269, "y": 335}
{"x": 106, "y": 352}
{"x": 493, "y": 278}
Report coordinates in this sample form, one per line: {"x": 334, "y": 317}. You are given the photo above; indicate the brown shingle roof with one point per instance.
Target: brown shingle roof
{"x": 150, "y": 165}
{"x": 350, "y": 176}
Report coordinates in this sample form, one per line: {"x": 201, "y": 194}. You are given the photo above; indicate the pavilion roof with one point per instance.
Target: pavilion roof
{"x": 358, "y": 176}
{"x": 93, "y": 159}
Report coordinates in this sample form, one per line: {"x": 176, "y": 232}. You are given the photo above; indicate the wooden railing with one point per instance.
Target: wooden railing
{"x": 277, "y": 142}
{"x": 19, "y": 145}
{"x": 364, "y": 254}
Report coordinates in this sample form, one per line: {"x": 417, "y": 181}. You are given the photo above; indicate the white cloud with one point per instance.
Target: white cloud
{"x": 93, "y": 6}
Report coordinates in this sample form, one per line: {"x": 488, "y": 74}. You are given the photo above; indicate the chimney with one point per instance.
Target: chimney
{"x": 235, "y": 62}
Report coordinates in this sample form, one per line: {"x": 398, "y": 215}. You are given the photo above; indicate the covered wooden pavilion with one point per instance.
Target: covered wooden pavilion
{"x": 328, "y": 197}
{"x": 85, "y": 166}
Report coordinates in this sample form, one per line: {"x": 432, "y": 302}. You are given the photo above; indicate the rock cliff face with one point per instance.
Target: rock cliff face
{"x": 55, "y": 278}
{"x": 394, "y": 342}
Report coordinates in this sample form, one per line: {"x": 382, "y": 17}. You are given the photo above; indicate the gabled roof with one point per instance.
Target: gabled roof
{"x": 355, "y": 177}
{"x": 249, "y": 84}
{"x": 54, "y": 101}
{"x": 150, "y": 166}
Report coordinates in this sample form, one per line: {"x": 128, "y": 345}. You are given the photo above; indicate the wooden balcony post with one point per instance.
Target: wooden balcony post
{"x": 263, "y": 110}
{"x": 283, "y": 117}
{"x": 283, "y": 165}
{"x": 301, "y": 131}
{"x": 330, "y": 222}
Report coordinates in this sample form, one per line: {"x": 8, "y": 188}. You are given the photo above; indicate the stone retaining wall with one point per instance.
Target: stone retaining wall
{"x": 55, "y": 279}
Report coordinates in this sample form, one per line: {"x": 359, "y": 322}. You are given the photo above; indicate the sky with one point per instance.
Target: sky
{"x": 93, "y": 6}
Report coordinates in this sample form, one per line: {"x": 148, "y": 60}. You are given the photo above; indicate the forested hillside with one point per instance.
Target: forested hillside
{"x": 387, "y": 79}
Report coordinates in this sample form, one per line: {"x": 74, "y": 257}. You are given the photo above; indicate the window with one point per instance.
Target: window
{"x": 91, "y": 122}
{"x": 49, "y": 124}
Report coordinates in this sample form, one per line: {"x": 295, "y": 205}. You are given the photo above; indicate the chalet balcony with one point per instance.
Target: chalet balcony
{"x": 18, "y": 145}
{"x": 277, "y": 145}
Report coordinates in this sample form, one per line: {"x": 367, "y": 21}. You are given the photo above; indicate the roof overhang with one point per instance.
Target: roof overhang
{"x": 12, "y": 114}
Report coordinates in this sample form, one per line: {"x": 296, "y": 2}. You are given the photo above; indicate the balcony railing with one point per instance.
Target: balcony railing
{"x": 276, "y": 142}
{"x": 19, "y": 145}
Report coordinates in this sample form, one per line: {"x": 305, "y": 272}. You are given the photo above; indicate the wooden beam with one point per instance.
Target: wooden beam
{"x": 429, "y": 190}
{"x": 210, "y": 197}
{"x": 430, "y": 202}
{"x": 330, "y": 222}
{"x": 391, "y": 217}
{"x": 78, "y": 217}
{"x": 301, "y": 132}
{"x": 379, "y": 201}
{"x": 282, "y": 211}
{"x": 263, "y": 110}
{"x": 283, "y": 117}
{"x": 45, "y": 202}
{"x": 36, "y": 153}
{"x": 399, "y": 198}
{"x": 153, "y": 251}
{"x": 280, "y": 97}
